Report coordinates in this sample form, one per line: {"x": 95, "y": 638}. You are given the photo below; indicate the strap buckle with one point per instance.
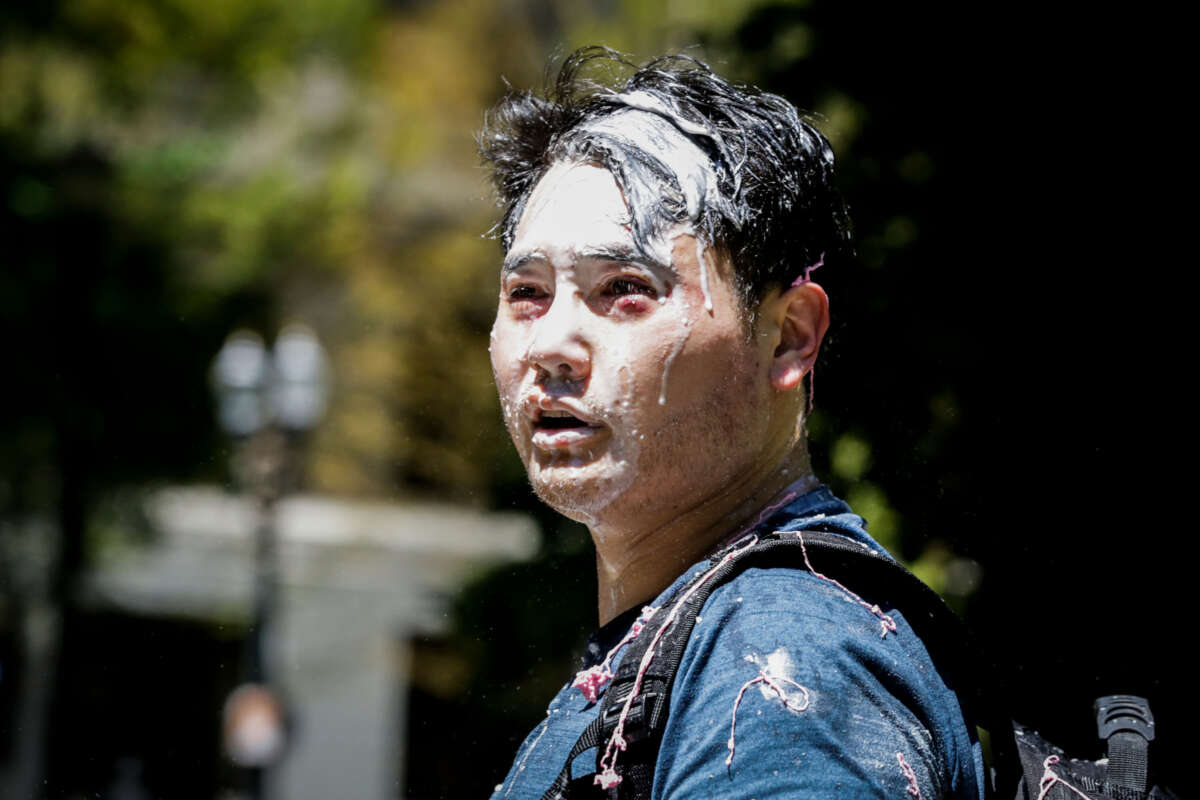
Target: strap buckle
{"x": 641, "y": 719}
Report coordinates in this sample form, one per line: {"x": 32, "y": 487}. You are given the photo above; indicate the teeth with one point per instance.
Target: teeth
{"x": 556, "y": 414}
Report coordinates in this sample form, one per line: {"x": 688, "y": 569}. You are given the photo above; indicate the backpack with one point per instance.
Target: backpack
{"x": 634, "y": 708}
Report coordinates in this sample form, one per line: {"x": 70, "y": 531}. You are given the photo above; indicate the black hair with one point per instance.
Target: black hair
{"x": 765, "y": 194}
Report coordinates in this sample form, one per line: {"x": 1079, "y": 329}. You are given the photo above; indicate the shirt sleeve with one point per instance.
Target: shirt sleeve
{"x": 825, "y": 705}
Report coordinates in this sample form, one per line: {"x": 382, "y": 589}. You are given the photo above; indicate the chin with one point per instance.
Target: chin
{"x": 582, "y": 492}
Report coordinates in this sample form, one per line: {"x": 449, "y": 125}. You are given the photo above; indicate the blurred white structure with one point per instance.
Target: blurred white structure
{"x": 356, "y": 582}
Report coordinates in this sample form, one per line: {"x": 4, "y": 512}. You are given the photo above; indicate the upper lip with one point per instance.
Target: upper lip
{"x": 537, "y": 405}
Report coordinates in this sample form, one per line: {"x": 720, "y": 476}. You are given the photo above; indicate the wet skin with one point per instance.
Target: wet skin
{"x": 590, "y": 334}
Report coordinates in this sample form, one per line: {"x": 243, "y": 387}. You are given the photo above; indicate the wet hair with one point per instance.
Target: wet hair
{"x": 749, "y": 174}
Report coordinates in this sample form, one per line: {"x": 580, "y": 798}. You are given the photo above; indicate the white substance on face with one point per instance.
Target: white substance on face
{"x": 567, "y": 478}
{"x": 625, "y": 382}
{"x": 623, "y": 451}
{"x": 622, "y": 409}
{"x": 581, "y": 354}
{"x": 700, "y": 250}
{"x": 615, "y": 350}
{"x": 687, "y": 311}
{"x": 670, "y": 359}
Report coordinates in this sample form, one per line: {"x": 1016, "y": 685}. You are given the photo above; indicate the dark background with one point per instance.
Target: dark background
{"x": 1039, "y": 299}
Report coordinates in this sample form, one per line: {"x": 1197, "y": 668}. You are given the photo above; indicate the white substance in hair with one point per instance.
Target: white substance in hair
{"x": 649, "y": 127}
{"x": 645, "y": 101}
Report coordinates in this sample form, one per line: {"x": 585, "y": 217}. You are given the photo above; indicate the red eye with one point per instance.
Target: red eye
{"x": 625, "y": 286}
{"x": 628, "y": 295}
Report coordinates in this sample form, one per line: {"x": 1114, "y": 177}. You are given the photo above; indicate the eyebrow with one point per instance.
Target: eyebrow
{"x": 512, "y": 264}
{"x": 625, "y": 254}
{"x": 620, "y": 253}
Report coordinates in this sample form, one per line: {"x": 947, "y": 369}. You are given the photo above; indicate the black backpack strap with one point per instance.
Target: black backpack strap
{"x": 639, "y": 722}
{"x": 634, "y": 708}
{"x": 561, "y": 788}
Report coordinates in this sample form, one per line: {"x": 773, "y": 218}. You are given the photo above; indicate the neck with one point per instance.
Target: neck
{"x": 633, "y": 565}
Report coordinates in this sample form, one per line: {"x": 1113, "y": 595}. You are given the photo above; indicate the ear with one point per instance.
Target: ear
{"x": 802, "y": 316}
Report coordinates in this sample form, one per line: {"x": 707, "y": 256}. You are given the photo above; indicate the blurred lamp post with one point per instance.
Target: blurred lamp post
{"x": 266, "y": 401}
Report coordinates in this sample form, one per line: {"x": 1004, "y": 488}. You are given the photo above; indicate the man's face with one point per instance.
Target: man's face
{"x": 623, "y": 393}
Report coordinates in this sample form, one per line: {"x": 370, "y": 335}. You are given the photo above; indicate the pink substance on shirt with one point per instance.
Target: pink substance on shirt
{"x": 591, "y": 680}
{"x": 885, "y": 622}
{"x": 773, "y": 682}
{"x": 913, "y": 788}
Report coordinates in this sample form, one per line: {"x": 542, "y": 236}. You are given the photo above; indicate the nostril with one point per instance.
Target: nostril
{"x": 559, "y": 352}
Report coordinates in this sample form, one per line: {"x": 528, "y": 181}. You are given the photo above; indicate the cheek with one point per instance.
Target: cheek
{"x": 504, "y": 347}
{"x": 506, "y": 369}
{"x": 709, "y": 368}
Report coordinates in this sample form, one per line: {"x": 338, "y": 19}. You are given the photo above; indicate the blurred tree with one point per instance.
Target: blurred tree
{"x": 172, "y": 170}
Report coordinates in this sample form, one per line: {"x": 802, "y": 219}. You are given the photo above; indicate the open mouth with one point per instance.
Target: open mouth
{"x": 562, "y": 430}
{"x": 559, "y": 421}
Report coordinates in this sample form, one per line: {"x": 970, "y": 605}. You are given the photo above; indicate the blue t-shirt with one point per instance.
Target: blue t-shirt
{"x": 826, "y": 706}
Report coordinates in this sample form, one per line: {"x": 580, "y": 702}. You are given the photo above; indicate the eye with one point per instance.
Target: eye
{"x": 524, "y": 292}
{"x": 525, "y": 289}
{"x": 526, "y": 298}
{"x": 626, "y": 286}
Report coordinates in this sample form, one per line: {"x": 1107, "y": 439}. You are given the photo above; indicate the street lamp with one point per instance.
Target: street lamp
{"x": 256, "y": 389}
{"x": 266, "y": 401}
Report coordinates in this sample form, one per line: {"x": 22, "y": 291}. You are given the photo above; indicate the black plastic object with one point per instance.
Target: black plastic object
{"x": 1125, "y": 723}
{"x": 1124, "y": 712}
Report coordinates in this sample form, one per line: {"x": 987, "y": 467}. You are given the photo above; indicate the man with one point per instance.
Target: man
{"x": 657, "y": 318}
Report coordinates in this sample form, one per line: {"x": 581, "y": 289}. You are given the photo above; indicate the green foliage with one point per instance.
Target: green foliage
{"x": 850, "y": 457}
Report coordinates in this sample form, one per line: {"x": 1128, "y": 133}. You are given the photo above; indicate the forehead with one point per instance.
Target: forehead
{"x": 573, "y": 205}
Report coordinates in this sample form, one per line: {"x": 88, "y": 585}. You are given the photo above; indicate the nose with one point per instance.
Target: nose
{"x": 559, "y": 347}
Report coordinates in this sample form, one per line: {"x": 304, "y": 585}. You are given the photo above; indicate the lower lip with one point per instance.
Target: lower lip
{"x": 566, "y": 438}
